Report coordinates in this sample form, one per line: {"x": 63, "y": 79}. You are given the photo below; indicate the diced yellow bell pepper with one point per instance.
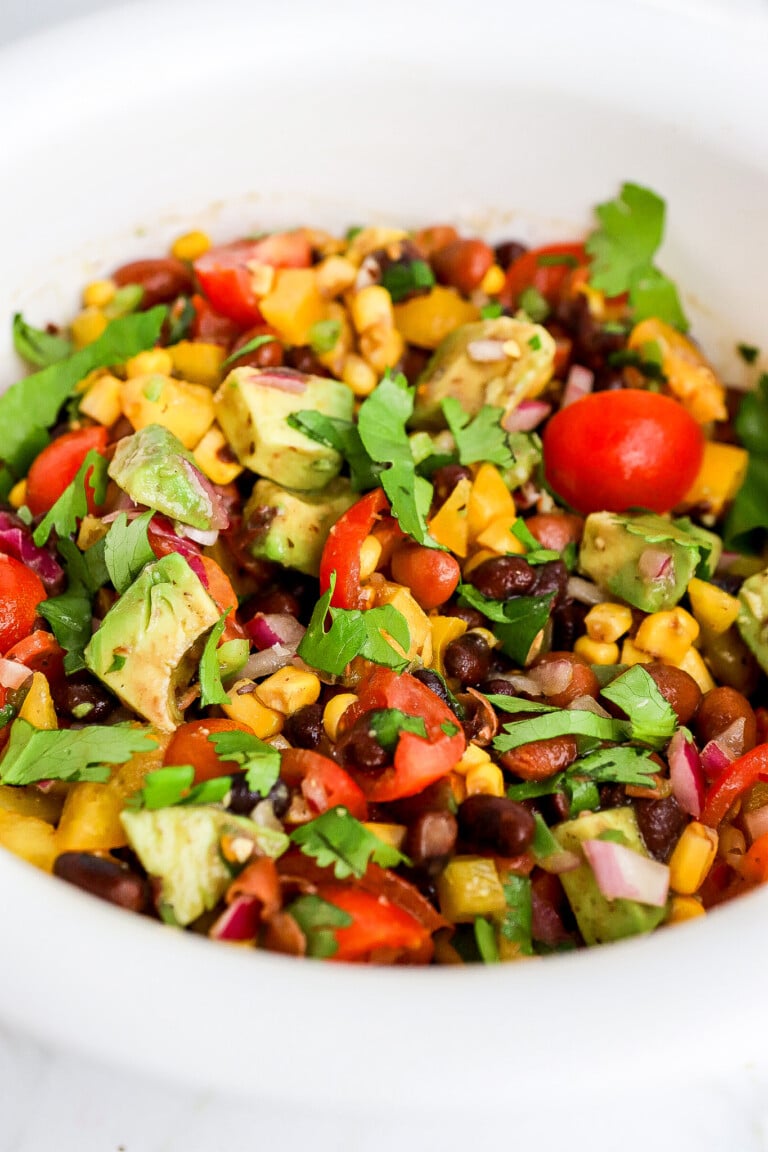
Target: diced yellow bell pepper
{"x": 469, "y": 886}
{"x": 631, "y": 654}
{"x": 498, "y": 536}
{"x": 197, "y": 361}
{"x": 294, "y": 304}
{"x": 426, "y": 320}
{"x": 38, "y": 709}
{"x": 392, "y": 834}
{"x": 720, "y": 477}
{"x": 692, "y": 858}
{"x": 129, "y": 777}
{"x": 90, "y": 820}
{"x": 102, "y": 400}
{"x": 690, "y": 376}
{"x": 490, "y": 498}
{"x": 449, "y": 525}
{"x": 712, "y": 606}
{"x": 694, "y": 665}
{"x": 28, "y": 837}
{"x": 184, "y": 409}
{"x": 444, "y": 630}
{"x": 416, "y": 618}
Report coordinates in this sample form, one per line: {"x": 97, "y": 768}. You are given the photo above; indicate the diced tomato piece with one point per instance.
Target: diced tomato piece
{"x": 20, "y": 593}
{"x": 376, "y": 924}
{"x": 226, "y": 278}
{"x": 324, "y": 783}
{"x": 341, "y": 553}
{"x": 191, "y": 744}
{"x": 58, "y": 464}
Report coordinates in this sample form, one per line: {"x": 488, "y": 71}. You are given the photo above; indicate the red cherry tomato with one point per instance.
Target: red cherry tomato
{"x": 58, "y": 464}
{"x": 324, "y": 784}
{"x": 545, "y": 269}
{"x": 226, "y": 279}
{"x": 617, "y": 450}
{"x": 20, "y": 593}
{"x": 376, "y": 923}
{"x": 190, "y": 744}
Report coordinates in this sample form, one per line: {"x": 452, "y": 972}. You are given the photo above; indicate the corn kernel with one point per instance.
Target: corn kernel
{"x": 98, "y": 293}
{"x": 367, "y": 240}
{"x": 334, "y": 710}
{"x": 102, "y": 400}
{"x": 693, "y": 856}
{"x": 358, "y": 375}
{"x": 712, "y": 606}
{"x": 155, "y": 361}
{"x": 18, "y": 494}
{"x": 416, "y": 618}
{"x": 371, "y": 307}
{"x": 667, "y": 635}
{"x": 191, "y": 245}
{"x": 493, "y": 281}
{"x": 485, "y": 780}
{"x": 382, "y": 347}
{"x": 288, "y": 690}
{"x": 684, "y": 908}
{"x": 214, "y": 457}
{"x": 32, "y": 839}
{"x": 694, "y": 665}
{"x": 392, "y": 834}
{"x": 370, "y": 554}
{"x": 247, "y": 709}
{"x": 335, "y": 275}
{"x": 608, "y": 622}
{"x": 474, "y": 757}
{"x": 631, "y": 654}
{"x": 596, "y": 651}
{"x": 458, "y": 787}
{"x": 87, "y": 326}
{"x": 197, "y": 361}
{"x": 38, "y": 709}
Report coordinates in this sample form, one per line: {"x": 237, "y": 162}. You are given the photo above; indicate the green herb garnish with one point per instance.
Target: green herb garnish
{"x": 38, "y": 347}
{"x": 69, "y": 753}
{"x": 127, "y": 549}
{"x": 478, "y": 438}
{"x": 317, "y": 919}
{"x": 337, "y": 839}
{"x": 72, "y": 505}
{"x": 352, "y": 633}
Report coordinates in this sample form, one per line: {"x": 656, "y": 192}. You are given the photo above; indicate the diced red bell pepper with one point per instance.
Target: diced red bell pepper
{"x": 732, "y": 782}
{"x": 341, "y": 553}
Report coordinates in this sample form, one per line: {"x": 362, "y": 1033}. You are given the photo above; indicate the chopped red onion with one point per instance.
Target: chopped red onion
{"x": 486, "y": 351}
{"x": 580, "y": 383}
{"x": 585, "y": 591}
{"x": 13, "y": 673}
{"x": 623, "y": 874}
{"x": 217, "y": 511}
{"x": 756, "y": 823}
{"x": 284, "y": 379}
{"x": 552, "y": 677}
{"x": 239, "y": 921}
{"x": 685, "y": 774}
{"x": 719, "y": 754}
{"x": 654, "y": 564}
{"x": 272, "y": 628}
{"x": 16, "y": 541}
{"x": 265, "y": 663}
{"x": 206, "y": 539}
{"x": 527, "y": 416}
{"x": 589, "y": 704}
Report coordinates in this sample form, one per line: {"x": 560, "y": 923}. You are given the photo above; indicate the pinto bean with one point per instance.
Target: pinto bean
{"x": 462, "y": 264}
{"x": 720, "y": 708}
{"x": 678, "y": 688}
{"x": 661, "y": 823}
{"x": 108, "y": 879}
{"x": 556, "y": 530}
{"x": 161, "y": 280}
{"x": 431, "y": 838}
{"x": 541, "y": 758}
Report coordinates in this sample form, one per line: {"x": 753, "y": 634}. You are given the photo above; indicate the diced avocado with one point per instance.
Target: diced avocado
{"x": 752, "y": 620}
{"x": 182, "y": 847}
{"x": 144, "y": 650}
{"x": 601, "y": 920}
{"x": 155, "y": 469}
{"x": 463, "y": 367}
{"x": 645, "y": 560}
{"x": 253, "y": 406}
{"x": 291, "y": 528}
{"x": 526, "y": 449}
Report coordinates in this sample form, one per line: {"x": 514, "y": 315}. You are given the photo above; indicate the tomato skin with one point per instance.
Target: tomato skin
{"x": 323, "y": 782}
{"x": 58, "y": 464}
{"x": 376, "y": 923}
{"x": 732, "y": 782}
{"x": 341, "y": 553}
{"x": 20, "y": 593}
{"x": 611, "y": 451}
{"x": 548, "y": 279}
{"x": 225, "y": 277}
{"x": 190, "y": 745}
{"x": 40, "y": 653}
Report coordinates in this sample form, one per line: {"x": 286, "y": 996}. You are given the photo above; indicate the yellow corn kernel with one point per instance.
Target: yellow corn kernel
{"x": 367, "y": 240}
{"x": 358, "y": 375}
{"x": 191, "y": 245}
{"x": 184, "y": 409}
{"x": 392, "y": 834}
{"x": 90, "y": 819}
{"x": 597, "y": 651}
{"x": 493, "y": 281}
{"x": 197, "y": 361}
{"x": 690, "y": 377}
{"x": 722, "y": 472}
{"x": 293, "y": 304}
{"x": 382, "y": 347}
{"x": 246, "y": 708}
{"x": 444, "y": 630}
{"x": 458, "y": 787}
{"x": 98, "y": 293}
{"x": 427, "y": 320}
{"x": 692, "y": 858}
{"x": 469, "y": 886}
{"x": 667, "y": 635}
{"x": 608, "y": 622}
{"x": 152, "y": 362}
{"x": 631, "y": 654}
{"x": 694, "y": 665}
{"x": 474, "y": 757}
{"x": 334, "y": 710}
{"x": 32, "y": 839}
{"x": 102, "y": 400}
{"x": 371, "y": 307}
{"x": 370, "y": 554}
{"x": 215, "y": 458}
{"x": 87, "y": 326}
{"x": 684, "y": 908}
{"x": 415, "y": 616}
{"x": 288, "y": 690}
{"x": 335, "y": 275}
{"x": 18, "y": 494}
{"x": 38, "y": 709}
{"x": 712, "y": 606}
{"x": 498, "y": 536}
{"x": 449, "y": 524}
{"x": 485, "y": 780}
{"x": 476, "y": 559}
{"x": 490, "y": 498}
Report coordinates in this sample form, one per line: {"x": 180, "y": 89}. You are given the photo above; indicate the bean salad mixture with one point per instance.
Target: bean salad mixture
{"x": 387, "y": 597}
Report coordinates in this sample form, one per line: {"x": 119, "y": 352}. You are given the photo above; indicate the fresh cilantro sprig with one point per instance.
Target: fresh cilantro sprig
{"x": 38, "y": 347}
{"x": 343, "y": 436}
{"x": 127, "y": 549}
{"x": 746, "y": 527}
{"x": 71, "y": 618}
{"x": 623, "y": 249}
{"x": 623, "y": 764}
{"x": 72, "y": 505}
{"x": 652, "y": 719}
{"x": 387, "y": 724}
{"x": 517, "y": 621}
{"x": 485, "y": 938}
{"x": 211, "y": 688}
{"x": 517, "y": 920}
{"x": 563, "y": 722}
{"x": 324, "y": 336}
{"x": 405, "y": 278}
{"x": 317, "y": 919}
{"x": 69, "y": 754}
{"x": 480, "y": 438}
{"x": 259, "y": 760}
{"x": 174, "y": 785}
{"x": 336, "y": 839}
{"x": 353, "y": 632}
{"x": 250, "y": 346}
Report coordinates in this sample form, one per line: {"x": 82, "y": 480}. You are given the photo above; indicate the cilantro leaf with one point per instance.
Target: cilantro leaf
{"x": 622, "y": 764}
{"x": 485, "y": 938}
{"x": 652, "y": 719}
{"x": 405, "y": 277}
{"x": 38, "y": 347}
{"x": 534, "y": 554}
{"x": 746, "y": 528}
{"x": 173, "y": 785}
{"x": 337, "y": 838}
{"x": 387, "y": 724}
{"x": 70, "y": 754}
{"x": 544, "y": 843}
{"x": 534, "y": 304}
{"x": 70, "y": 616}
{"x": 353, "y": 633}
{"x": 563, "y": 722}
{"x": 317, "y": 919}
{"x": 517, "y": 621}
{"x": 651, "y": 293}
{"x": 748, "y": 352}
{"x": 259, "y": 760}
{"x": 491, "y": 311}
{"x": 481, "y": 438}
{"x": 517, "y": 920}
{"x": 86, "y": 571}
{"x": 127, "y": 549}
{"x": 72, "y": 505}
{"x": 345, "y": 438}
{"x": 211, "y": 688}
{"x": 518, "y": 704}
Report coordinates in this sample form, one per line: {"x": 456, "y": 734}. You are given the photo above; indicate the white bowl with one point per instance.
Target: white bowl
{"x": 127, "y": 128}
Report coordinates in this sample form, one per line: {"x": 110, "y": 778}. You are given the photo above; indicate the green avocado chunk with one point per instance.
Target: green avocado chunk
{"x": 291, "y": 528}
{"x": 463, "y": 367}
{"x": 646, "y": 559}
{"x": 181, "y": 846}
{"x": 145, "y": 647}
{"x": 252, "y": 407}
{"x": 155, "y": 469}
{"x": 752, "y": 620}
{"x": 601, "y": 920}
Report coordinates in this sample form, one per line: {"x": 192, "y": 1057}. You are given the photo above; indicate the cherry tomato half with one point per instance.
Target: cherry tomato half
{"x": 58, "y": 464}
{"x": 323, "y": 782}
{"x": 20, "y": 593}
{"x": 376, "y": 923}
{"x": 611, "y": 451}
{"x": 225, "y": 274}
{"x": 191, "y": 744}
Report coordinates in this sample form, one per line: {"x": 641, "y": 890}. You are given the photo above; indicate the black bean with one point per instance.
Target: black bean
{"x": 468, "y": 658}
{"x": 497, "y": 823}
{"x": 661, "y": 824}
{"x": 107, "y": 879}
{"x": 304, "y": 729}
{"x": 82, "y": 698}
{"x": 273, "y": 601}
{"x": 612, "y": 796}
{"x": 242, "y": 800}
{"x": 471, "y": 617}
{"x": 496, "y": 686}
{"x": 303, "y": 359}
{"x": 360, "y": 749}
{"x": 434, "y": 682}
{"x": 550, "y": 577}
{"x": 431, "y": 839}
{"x": 508, "y": 251}
{"x": 567, "y": 624}
{"x": 503, "y": 577}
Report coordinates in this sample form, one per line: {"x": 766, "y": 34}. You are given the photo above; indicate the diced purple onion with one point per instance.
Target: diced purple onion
{"x": 284, "y": 379}
{"x": 685, "y": 774}
{"x": 218, "y": 513}
{"x": 486, "y": 351}
{"x": 585, "y": 591}
{"x": 273, "y": 628}
{"x": 13, "y": 673}
{"x": 527, "y": 416}
{"x": 719, "y": 754}
{"x": 239, "y": 922}
{"x": 654, "y": 564}
{"x": 580, "y": 383}
{"x": 756, "y": 823}
{"x": 623, "y": 874}
{"x": 560, "y": 862}
{"x": 16, "y": 541}
{"x": 270, "y": 660}
{"x": 552, "y": 677}
{"x": 205, "y": 539}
